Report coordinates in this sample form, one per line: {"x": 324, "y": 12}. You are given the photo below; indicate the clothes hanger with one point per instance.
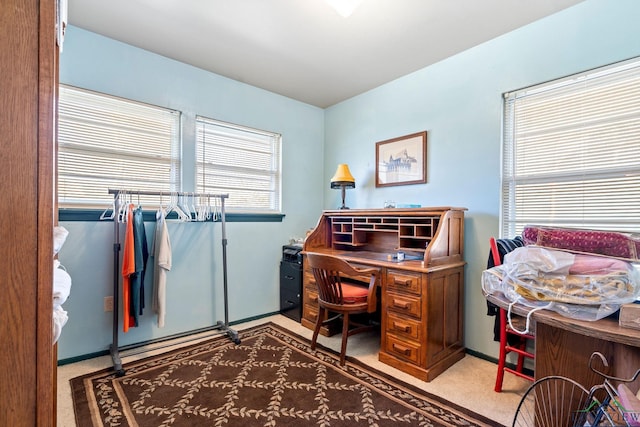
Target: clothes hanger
{"x": 129, "y": 211}
{"x": 203, "y": 208}
{"x": 112, "y": 208}
{"x": 197, "y": 199}
{"x": 216, "y": 208}
{"x": 172, "y": 204}
{"x": 160, "y": 211}
{"x": 122, "y": 211}
{"x": 195, "y": 205}
{"x": 190, "y": 204}
{"x": 208, "y": 217}
{"x": 179, "y": 208}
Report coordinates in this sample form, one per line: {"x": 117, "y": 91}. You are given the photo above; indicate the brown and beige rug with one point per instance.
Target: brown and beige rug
{"x": 271, "y": 379}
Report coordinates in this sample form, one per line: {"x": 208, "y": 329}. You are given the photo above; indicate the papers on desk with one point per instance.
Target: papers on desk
{"x": 379, "y": 256}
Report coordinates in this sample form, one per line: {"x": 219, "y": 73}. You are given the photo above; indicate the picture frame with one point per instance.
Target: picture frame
{"x": 402, "y": 160}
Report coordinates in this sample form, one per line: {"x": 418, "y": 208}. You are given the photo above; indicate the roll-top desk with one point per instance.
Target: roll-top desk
{"x": 421, "y": 297}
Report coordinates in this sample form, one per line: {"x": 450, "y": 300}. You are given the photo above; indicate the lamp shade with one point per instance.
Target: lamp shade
{"x": 343, "y": 178}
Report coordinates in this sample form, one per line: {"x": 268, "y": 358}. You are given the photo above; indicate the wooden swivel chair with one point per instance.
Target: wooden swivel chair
{"x": 338, "y": 296}
{"x": 510, "y": 340}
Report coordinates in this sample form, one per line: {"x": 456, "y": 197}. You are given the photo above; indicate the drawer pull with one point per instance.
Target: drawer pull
{"x": 401, "y": 349}
{"x": 401, "y": 304}
{"x": 401, "y": 327}
{"x": 402, "y": 282}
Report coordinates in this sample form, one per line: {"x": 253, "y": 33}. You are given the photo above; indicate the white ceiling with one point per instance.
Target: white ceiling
{"x": 303, "y": 49}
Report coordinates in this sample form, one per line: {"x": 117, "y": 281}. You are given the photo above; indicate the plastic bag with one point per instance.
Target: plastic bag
{"x": 578, "y": 286}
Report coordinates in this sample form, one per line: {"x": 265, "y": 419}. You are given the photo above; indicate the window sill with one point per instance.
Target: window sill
{"x": 94, "y": 215}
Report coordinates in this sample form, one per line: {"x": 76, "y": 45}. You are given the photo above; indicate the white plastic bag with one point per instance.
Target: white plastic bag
{"x": 578, "y": 286}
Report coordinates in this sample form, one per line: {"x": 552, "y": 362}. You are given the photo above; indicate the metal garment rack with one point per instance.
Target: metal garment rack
{"x": 223, "y": 326}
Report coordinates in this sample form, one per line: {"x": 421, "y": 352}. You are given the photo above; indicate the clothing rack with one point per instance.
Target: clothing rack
{"x": 222, "y": 326}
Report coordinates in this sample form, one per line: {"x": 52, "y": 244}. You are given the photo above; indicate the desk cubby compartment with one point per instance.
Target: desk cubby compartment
{"x": 413, "y": 243}
{"x": 346, "y": 231}
{"x": 390, "y": 224}
{"x": 362, "y": 224}
{"x": 416, "y": 233}
{"x": 342, "y": 231}
{"x": 342, "y": 226}
{"x": 342, "y": 239}
{"x": 376, "y": 223}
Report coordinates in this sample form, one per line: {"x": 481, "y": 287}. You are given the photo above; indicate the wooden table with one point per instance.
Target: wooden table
{"x": 563, "y": 345}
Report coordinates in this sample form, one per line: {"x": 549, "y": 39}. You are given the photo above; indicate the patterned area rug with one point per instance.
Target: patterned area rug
{"x": 272, "y": 378}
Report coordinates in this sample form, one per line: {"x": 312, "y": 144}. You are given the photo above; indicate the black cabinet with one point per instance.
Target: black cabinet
{"x": 291, "y": 283}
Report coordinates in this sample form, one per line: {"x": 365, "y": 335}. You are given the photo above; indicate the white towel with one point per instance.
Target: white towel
{"x": 59, "y": 236}
{"x": 59, "y": 320}
{"x": 61, "y": 284}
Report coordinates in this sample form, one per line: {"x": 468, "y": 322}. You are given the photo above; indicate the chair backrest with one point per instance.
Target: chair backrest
{"x": 495, "y": 254}
{"x": 327, "y": 271}
{"x": 499, "y": 248}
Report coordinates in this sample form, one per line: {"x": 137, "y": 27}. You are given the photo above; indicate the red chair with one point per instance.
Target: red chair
{"x": 517, "y": 344}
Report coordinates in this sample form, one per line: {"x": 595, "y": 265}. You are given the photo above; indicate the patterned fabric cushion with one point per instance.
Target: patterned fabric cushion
{"x": 353, "y": 294}
{"x": 609, "y": 243}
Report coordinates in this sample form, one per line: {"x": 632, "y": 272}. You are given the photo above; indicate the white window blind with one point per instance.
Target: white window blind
{"x": 108, "y": 142}
{"x": 241, "y": 161}
{"x": 571, "y": 152}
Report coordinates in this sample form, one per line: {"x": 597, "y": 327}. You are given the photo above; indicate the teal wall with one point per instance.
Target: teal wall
{"x": 458, "y": 101}
{"x": 194, "y": 285}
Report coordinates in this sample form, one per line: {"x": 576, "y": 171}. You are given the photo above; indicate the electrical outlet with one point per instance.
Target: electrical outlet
{"x": 108, "y": 303}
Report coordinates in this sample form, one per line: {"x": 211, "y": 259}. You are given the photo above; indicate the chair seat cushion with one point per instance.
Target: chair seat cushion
{"x": 353, "y": 294}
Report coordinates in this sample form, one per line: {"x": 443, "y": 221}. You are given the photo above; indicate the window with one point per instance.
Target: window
{"x": 107, "y": 142}
{"x": 571, "y": 152}
{"x": 240, "y": 161}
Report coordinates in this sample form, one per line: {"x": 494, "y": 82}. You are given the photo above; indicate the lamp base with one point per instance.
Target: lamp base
{"x": 343, "y": 194}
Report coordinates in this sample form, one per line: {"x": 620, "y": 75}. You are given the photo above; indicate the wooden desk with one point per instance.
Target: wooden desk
{"x": 563, "y": 346}
{"x": 421, "y": 299}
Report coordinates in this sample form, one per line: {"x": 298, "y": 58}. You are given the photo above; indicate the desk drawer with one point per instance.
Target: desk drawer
{"x": 403, "y": 349}
{"x": 290, "y": 304}
{"x": 404, "y": 281}
{"x": 308, "y": 276}
{"x": 404, "y": 327}
{"x": 311, "y": 295}
{"x": 404, "y": 304}
{"x": 310, "y": 312}
{"x": 290, "y": 273}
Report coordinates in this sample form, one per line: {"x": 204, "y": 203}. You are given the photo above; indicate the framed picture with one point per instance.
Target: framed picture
{"x": 402, "y": 161}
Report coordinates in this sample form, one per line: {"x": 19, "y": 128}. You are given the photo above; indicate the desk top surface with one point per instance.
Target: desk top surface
{"x": 606, "y": 329}
{"x": 384, "y": 259}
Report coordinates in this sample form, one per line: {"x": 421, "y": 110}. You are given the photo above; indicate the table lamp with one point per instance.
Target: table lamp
{"x": 343, "y": 179}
